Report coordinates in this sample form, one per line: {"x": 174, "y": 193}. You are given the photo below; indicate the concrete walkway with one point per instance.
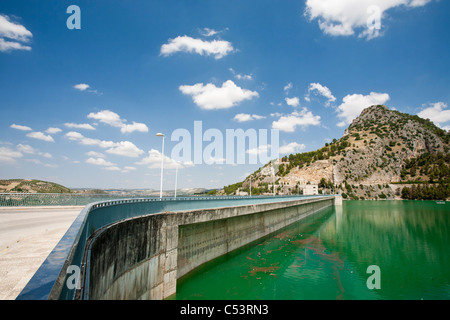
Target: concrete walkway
{"x": 27, "y": 236}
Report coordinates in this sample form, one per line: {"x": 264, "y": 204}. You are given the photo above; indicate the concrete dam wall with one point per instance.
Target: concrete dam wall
{"x": 142, "y": 257}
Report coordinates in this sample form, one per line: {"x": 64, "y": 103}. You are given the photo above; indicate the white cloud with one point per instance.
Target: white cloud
{"x": 126, "y": 149}
{"x": 241, "y": 76}
{"x": 11, "y": 45}
{"x": 128, "y": 128}
{"x": 217, "y": 48}
{"x": 53, "y": 130}
{"x": 81, "y": 86}
{"x": 287, "y": 87}
{"x": 8, "y": 156}
{"x": 304, "y": 118}
{"x": 207, "y": 32}
{"x": 243, "y": 117}
{"x": 76, "y": 136}
{"x": 85, "y": 126}
{"x": 276, "y": 114}
{"x": 128, "y": 169}
{"x": 100, "y": 162}
{"x": 20, "y": 127}
{"x": 259, "y": 150}
{"x": 95, "y": 154}
{"x": 292, "y": 148}
{"x": 85, "y": 87}
{"x": 244, "y": 76}
{"x": 210, "y": 97}
{"x": 40, "y": 136}
{"x": 108, "y": 117}
{"x": 123, "y": 148}
{"x": 25, "y": 148}
{"x": 318, "y": 89}
{"x": 345, "y": 17}
{"x": 353, "y": 104}
{"x": 113, "y": 168}
{"x": 293, "y": 102}
{"x": 153, "y": 161}
{"x": 436, "y": 113}
{"x": 113, "y": 119}
{"x": 13, "y": 35}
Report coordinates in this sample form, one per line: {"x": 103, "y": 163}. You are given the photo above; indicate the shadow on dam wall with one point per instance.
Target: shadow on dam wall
{"x": 142, "y": 257}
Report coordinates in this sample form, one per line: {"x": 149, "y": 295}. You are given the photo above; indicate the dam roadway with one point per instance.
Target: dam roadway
{"x": 27, "y": 236}
{"x": 138, "y": 248}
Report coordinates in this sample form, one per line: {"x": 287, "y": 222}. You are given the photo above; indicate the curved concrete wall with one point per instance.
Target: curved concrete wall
{"x": 141, "y": 258}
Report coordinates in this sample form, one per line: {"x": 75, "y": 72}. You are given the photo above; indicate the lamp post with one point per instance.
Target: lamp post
{"x": 162, "y": 164}
{"x": 273, "y": 178}
{"x": 176, "y": 179}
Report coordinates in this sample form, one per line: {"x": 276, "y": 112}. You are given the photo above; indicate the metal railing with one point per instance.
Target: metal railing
{"x": 54, "y": 199}
{"x": 81, "y": 199}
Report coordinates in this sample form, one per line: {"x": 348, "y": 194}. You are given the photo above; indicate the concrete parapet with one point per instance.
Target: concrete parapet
{"x": 142, "y": 257}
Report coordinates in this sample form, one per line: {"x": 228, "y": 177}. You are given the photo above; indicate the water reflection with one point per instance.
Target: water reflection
{"x": 326, "y": 257}
{"x": 407, "y": 240}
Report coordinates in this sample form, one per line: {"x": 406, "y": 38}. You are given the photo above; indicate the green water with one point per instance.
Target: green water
{"x": 327, "y": 256}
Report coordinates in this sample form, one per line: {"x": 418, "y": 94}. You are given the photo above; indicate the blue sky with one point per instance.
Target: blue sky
{"x": 138, "y": 68}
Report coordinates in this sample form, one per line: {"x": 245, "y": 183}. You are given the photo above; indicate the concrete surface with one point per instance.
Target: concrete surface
{"x": 27, "y": 236}
{"x": 142, "y": 257}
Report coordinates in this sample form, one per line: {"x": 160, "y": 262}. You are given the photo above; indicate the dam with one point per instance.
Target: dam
{"x": 137, "y": 248}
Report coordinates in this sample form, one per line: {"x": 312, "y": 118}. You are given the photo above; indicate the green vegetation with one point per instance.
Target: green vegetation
{"x": 336, "y": 147}
{"x": 427, "y": 192}
{"x": 231, "y": 189}
{"x": 434, "y": 166}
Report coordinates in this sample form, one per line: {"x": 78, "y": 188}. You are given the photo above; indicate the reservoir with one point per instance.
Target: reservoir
{"x": 327, "y": 256}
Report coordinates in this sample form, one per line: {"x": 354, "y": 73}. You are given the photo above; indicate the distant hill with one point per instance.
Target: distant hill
{"x": 31, "y": 186}
{"x": 381, "y": 152}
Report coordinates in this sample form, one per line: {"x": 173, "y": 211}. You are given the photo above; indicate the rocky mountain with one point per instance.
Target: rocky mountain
{"x": 381, "y": 152}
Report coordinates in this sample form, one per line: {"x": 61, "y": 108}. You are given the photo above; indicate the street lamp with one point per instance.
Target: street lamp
{"x": 273, "y": 178}
{"x": 162, "y": 164}
{"x": 176, "y": 178}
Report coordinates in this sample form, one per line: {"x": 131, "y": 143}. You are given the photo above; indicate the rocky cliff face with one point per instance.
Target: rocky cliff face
{"x": 380, "y": 147}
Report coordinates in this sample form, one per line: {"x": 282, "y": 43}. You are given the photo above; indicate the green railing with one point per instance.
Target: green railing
{"x": 54, "y": 199}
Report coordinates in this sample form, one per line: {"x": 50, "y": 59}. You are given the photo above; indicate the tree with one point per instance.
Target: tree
{"x": 406, "y": 193}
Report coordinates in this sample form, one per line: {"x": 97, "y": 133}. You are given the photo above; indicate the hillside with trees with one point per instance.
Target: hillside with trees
{"x": 383, "y": 154}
